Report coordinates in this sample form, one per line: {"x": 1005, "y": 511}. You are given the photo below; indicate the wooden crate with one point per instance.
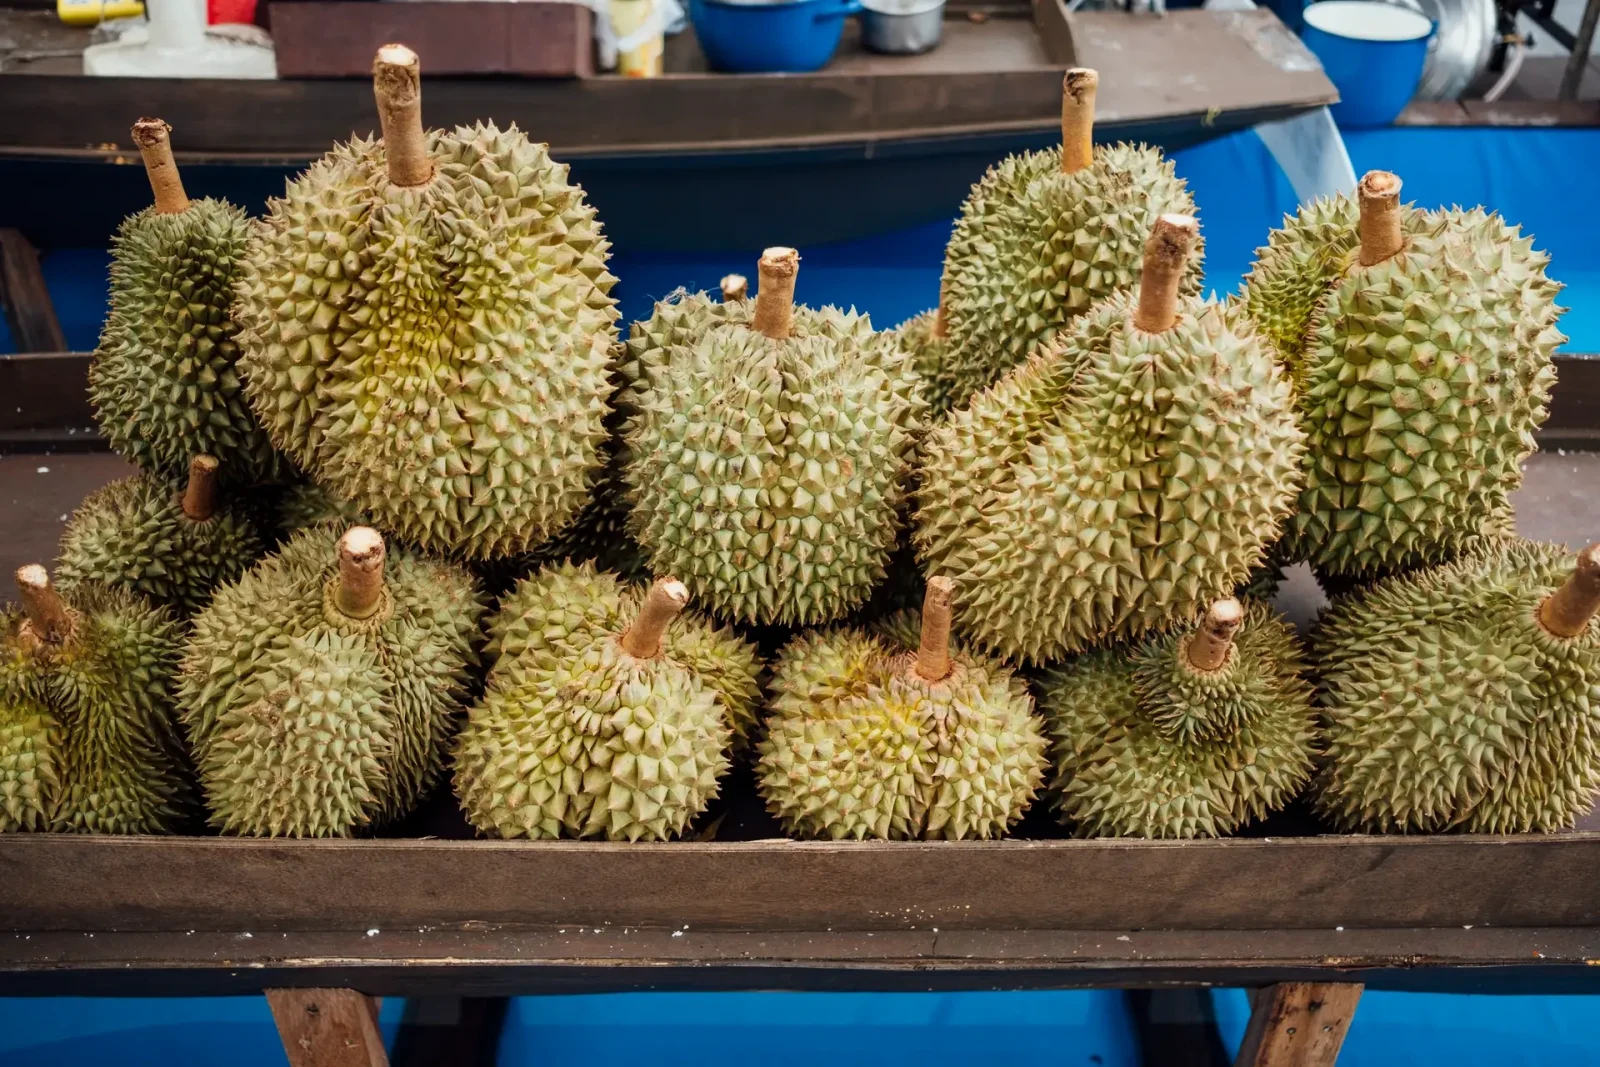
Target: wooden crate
{"x": 529, "y": 38}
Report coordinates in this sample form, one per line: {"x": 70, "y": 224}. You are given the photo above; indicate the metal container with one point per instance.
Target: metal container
{"x": 1461, "y": 47}
{"x": 901, "y": 27}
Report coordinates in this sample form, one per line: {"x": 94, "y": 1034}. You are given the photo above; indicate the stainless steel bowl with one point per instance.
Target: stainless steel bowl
{"x": 1462, "y": 44}
{"x": 901, "y": 27}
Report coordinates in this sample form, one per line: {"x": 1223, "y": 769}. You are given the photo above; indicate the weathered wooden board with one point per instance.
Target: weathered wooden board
{"x": 67, "y": 882}
{"x": 1207, "y": 68}
{"x": 488, "y": 961}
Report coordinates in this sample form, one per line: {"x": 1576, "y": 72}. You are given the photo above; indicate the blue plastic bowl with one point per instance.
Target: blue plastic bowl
{"x": 754, "y": 38}
{"x": 1372, "y": 52}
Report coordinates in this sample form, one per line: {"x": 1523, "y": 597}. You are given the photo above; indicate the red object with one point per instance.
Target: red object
{"x": 218, "y": 11}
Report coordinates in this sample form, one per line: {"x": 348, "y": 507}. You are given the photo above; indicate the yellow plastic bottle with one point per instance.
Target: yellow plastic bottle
{"x": 94, "y": 12}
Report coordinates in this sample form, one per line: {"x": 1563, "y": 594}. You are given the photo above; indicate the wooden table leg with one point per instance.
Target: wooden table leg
{"x": 1298, "y": 1024}
{"x": 328, "y": 1027}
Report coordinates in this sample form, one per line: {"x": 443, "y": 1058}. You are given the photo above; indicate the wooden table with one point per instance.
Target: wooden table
{"x": 691, "y": 160}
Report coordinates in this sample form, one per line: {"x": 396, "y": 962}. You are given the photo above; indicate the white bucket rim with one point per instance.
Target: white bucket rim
{"x": 1368, "y": 20}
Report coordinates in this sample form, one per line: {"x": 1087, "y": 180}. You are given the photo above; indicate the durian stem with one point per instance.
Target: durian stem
{"x": 941, "y": 325}
{"x": 735, "y": 287}
{"x": 48, "y": 615}
{"x": 397, "y": 83}
{"x": 1567, "y": 611}
{"x": 775, "y": 299}
{"x": 151, "y": 135}
{"x": 200, "y": 495}
{"x": 666, "y": 598}
{"x": 360, "y": 572}
{"x": 1166, "y": 254}
{"x": 1078, "y": 90}
{"x": 1381, "y": 236}
{"x": 1208, "y": 646}
{"x": 933, "y": 650}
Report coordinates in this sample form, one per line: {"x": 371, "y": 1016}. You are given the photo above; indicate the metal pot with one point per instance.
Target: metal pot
{"x": 902, "y": 27}
{"x": 1462, "y": 45}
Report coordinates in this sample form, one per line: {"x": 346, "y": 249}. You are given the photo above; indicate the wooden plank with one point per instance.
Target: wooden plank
{"x": 26, "y": 300}
{"x": 338, "y": 38}
{"x": 76, "y": 882}
{"x": 1542, "y": 113}
{"x": 1298, "y": 1024}
{"x": 1055, "y": 31}
{"x": 328, "y": 1027}
{"x": 957, "y": 89}
{"x": 489, "y": 961}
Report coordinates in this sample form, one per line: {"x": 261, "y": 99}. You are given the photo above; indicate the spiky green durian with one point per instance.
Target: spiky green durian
{"x": 1043, "y": 237}
{"x": 426, "y": 329}
{"x": 598, "y": 719}
{"x": 1461, "y": 697}
{"x": 925, "y": 340}
{"x": 1117, "y": 482}
{"x": 169, "y": 542}
{"x": 766, "y": 462}
{"x": 1190, "y": 733}
{"x": 307, "y": 504}
{"x": 872, "y": 737}
{"x": 87, "y": 744}
{"x": 164, "y": 380}
{"x": 319, "y": 689}
{"x": 1420, "y": 343}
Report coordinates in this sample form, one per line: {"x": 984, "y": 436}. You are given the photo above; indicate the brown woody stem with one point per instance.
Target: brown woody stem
{"x": 1381, "y": 236}
{"x": 1166, "y": 254}
{"x": 775, "y": 299}
{"x": 735, "y": 287}
{"x": 933, "y": 651}
{"x": 1567, "y": 611}
{"x": 200, "y": 495}
{"x": 48, "y": 615}
{"x": 397, "y": 83}
{"x": 151, "y": 135}
{"x": 1208, "y": 646}
{"x": 666, "y": 598}
{"x": 1078, "y": 90}
{"x": 361, "y": 555}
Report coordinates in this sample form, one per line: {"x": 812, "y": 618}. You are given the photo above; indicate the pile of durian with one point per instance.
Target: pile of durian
{"x": 414, "y": 515}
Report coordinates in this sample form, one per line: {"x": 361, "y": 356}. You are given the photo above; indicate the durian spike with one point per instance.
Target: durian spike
{"x": 200, "y": 495}
{"x": 397, "y": 83}
{"x": 1208, "y": 647}
{"x": 933, "y": 650}
{"x": 1078, "y": 89}
{"x": 360, "y": 572}
{"x": 1380, "y": 216}
{"x": 49, "y": 618}
{"x": 666, "y": 598}
{"x": 1567, "y": 611}
{"x": 1165, "y": 254}
{"x": 735, "y": 287}
{"x": 775, "y": 299}
{"x": 151, "y": 135}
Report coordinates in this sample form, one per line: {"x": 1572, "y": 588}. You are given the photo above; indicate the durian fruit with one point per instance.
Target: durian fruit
{"x": 926, "y": 339}
{"x": 1190, "y": 733}
{"x": 152, "y": 537}
{"x": 426, "y": 325}
{"x": 307, "y": 504}
{"x": 1461, "y": 697}
{"x": 599, "y": 720}
{"x": 1044, "y": 236}
{"x": 1117, "y": 482}
{"x": 1420, "y": 344}
{"x": 86, "y": 741}
{"x": 869, "y": 738}
{"x": 165, "y": 380}
{"x": 766, "y": 464}
{"x": 319, "y": 690}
